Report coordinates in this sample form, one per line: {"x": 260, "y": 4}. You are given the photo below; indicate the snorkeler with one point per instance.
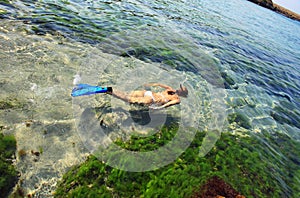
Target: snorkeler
{"x": 155, "y": 100}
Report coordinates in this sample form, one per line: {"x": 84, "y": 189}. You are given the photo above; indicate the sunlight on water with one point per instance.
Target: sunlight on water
{"x": 244, "y": 70}
{"x": 36, "y": 76}
{"x": 126, "y": 73}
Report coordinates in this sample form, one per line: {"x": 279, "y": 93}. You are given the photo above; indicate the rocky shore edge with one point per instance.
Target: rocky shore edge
{"x": 277, "y": 8}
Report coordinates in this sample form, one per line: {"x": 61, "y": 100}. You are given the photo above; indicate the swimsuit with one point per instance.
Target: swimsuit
{"x": 149, "y": 93}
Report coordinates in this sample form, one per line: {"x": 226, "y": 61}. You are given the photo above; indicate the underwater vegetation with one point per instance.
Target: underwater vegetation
{"x": 240, "y": 119}
{"x": 8, "y": 174}
{"x": 148, "y": 143}
{"x": 11, "y": 103}
{"x": 240, "y": 162}
{"x": 161, "y": 55}
{"x": 4, "y": 1}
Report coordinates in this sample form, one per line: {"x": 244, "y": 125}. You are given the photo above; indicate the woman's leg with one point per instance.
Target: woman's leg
{"x": 120, "y": 95}
{"x": 139, "y": 97}
{"x": 137, "y": 94}
{"x": 134, "y": 97}
{"x": 141, "y": 100}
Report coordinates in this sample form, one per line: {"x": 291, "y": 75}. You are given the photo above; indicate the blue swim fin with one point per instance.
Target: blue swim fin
{"x": 85, "y": 89}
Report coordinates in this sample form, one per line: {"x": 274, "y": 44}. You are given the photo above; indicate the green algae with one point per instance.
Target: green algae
{"x": 11, "y": 103}
{"x": 148, "y": 143}
{"x": 4, "y": 1}
{"x": 240, "y": 119}
{"x": 161, "y": 55}
{"x": 240, "y": 161}
{"x": 228, "y": 81}
{"x": 8, "y": 174}
{"x": 2, "y": 12}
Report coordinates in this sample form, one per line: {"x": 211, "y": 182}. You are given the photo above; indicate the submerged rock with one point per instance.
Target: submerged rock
{"x": 216, "y": 187}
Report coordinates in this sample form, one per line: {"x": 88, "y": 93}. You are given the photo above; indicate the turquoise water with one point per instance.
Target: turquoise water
{"x": 259, "y": 58}
{"x": 246, "y": 55}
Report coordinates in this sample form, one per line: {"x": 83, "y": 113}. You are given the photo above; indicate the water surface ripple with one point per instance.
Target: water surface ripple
{"x": 249, "y": 52}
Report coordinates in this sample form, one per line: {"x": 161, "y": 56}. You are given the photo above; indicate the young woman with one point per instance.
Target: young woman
{"x": 155, "y": 100}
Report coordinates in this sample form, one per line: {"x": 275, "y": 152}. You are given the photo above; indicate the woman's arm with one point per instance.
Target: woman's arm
{"x": 168, "y": 104}
{"x": 158, "y": 84}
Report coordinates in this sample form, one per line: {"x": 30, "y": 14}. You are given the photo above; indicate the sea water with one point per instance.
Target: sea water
{"x": 234, "y": 56}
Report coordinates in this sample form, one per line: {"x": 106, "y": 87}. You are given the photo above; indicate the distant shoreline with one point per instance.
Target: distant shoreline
{"x": 277, "y": 8}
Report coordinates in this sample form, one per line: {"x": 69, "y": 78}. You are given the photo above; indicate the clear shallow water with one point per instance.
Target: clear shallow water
{"x": 208, "y": 41}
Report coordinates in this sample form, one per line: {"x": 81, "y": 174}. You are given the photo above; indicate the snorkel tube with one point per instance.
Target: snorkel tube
{"x": 182, "y": 91}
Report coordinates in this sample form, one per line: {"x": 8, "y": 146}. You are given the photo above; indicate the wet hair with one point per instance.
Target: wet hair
{"x": 182, "y": 91}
